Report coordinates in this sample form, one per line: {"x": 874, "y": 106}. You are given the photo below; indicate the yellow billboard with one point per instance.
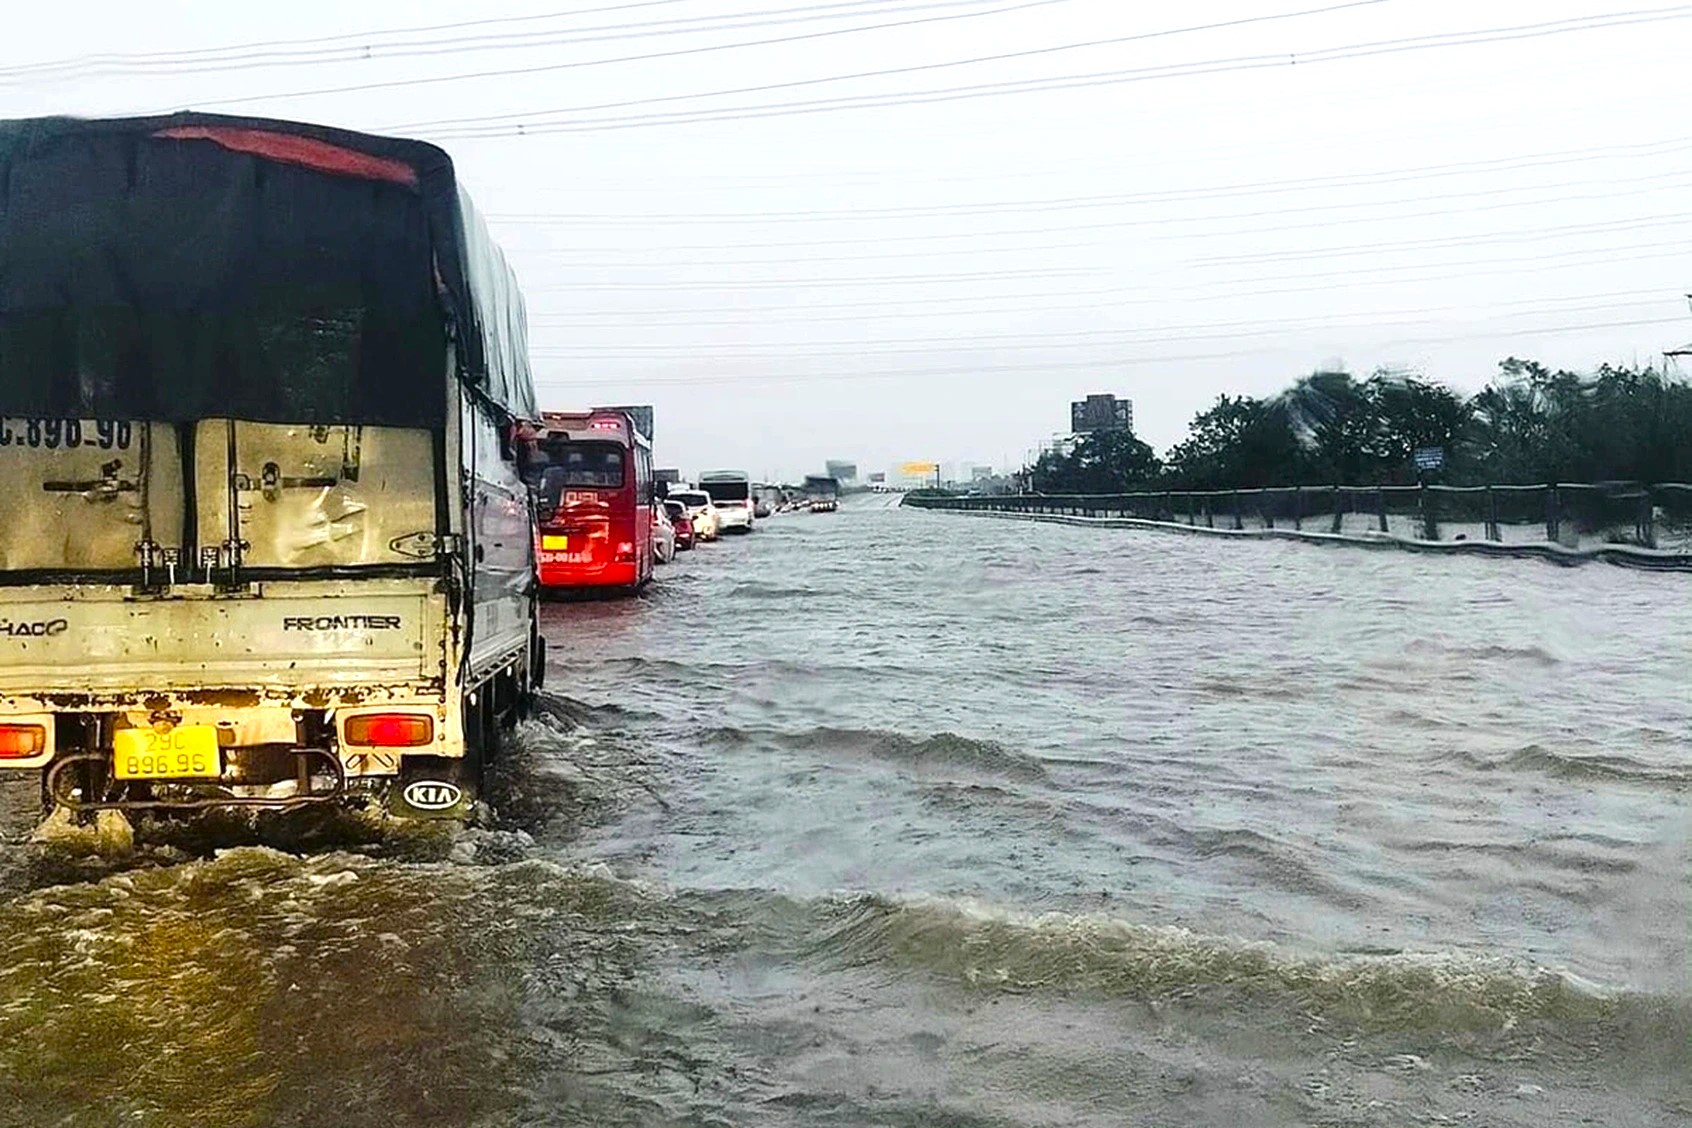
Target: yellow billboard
{"x": 922, "y": 468}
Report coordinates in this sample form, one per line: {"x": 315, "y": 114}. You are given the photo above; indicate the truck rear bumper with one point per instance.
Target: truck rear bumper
{"x": 280, "y": 696}
{"x": 320, "y": 778}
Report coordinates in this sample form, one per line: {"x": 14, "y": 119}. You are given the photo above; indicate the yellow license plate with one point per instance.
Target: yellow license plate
{"x": 555, "y": 544}
{"x": 183, "y": 752}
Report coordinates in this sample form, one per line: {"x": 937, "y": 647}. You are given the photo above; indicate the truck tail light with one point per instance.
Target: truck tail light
{"x": 625, "y": 552}
{"x": 390, "y": 730}
{"x": 20, "y": 742}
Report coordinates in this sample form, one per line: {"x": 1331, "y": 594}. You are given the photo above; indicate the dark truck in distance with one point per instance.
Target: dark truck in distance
{"x": 259, "y": 382}
{"x": 822, "y": 493}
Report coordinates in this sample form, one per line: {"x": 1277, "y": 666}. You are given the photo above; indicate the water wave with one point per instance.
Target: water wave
{"x": 1096, "y": 955}
{"x": 1612, "y": 768}
{"x": 1283, "y": 864}
{"x": 576, "y": 713}
{"x": 1269, "y": 689}
{"x": 1485, "y": 652}
{"x": 689, "y": 673}
{"x": 774, "y": 592}
{"x": 939, "y": 752}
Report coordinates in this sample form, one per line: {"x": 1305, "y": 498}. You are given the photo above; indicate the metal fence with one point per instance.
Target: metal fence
{"x": 1575, "y": 516}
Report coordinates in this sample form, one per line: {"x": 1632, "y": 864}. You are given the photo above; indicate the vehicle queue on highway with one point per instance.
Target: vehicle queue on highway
{"x": 312, "y": 495}
{"x": 603, "y": 518}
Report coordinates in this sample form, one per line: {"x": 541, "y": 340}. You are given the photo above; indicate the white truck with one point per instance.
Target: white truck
{"x": 265, "y": 541}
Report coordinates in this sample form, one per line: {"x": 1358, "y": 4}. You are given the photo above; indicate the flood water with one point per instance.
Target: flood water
{"x": 886, "y": 817}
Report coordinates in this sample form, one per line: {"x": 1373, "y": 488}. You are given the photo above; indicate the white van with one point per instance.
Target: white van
{"x": 731, "y": 495}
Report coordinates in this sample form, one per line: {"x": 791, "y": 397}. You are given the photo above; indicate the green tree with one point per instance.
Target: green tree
{"x": 1409, "y": 414}
{"x": 1531, "y": 424}
{"x": 1239, "y": 442}
{"x": 1539, "y": 425}
{"x": 1102, "y": 462}
{"x": 1113, "y": 461}
{"x": 1334, "y": 420}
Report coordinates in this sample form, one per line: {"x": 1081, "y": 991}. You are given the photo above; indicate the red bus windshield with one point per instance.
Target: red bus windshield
{"x": 559, "y": 466}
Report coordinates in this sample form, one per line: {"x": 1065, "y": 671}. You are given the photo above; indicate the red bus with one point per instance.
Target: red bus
{"x": 592, "y": 475}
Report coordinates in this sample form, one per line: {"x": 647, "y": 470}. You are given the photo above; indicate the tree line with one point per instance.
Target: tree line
{"x": 1530, "y": 424}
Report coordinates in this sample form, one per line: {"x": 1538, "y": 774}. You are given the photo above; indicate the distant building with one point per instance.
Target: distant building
{"x": 1101, "y": 413}
{"x": 963, "y": 473}
{"x": 843, "y": 472}
{"x": 878, "y": 477}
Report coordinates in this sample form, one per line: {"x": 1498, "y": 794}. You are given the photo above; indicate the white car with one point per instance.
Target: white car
{"x": 703, "y": 512}
{"x": 663, "y": 536}
{"x": 734, "y": 515}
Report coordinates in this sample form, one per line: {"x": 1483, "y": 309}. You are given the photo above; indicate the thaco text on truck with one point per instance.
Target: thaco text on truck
{"x": 266, "y": 540}
{"x": 591, "y": 473}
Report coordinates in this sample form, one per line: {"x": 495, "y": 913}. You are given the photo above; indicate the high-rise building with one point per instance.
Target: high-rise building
{"x": 843, "y": 472}
{"x": 1101, "y": 413}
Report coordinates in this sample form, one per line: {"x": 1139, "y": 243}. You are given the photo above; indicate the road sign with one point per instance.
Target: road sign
{"x": 1430, "y": 458}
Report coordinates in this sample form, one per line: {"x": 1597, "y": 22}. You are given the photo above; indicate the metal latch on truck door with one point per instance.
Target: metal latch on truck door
{"x": 425, "y": 545}
{"x": 104, "y": 488}
{"x": 352, "y": 447}
{"x": 271, "y": 482}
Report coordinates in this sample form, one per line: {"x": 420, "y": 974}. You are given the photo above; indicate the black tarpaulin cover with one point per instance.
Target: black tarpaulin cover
{"x": 198, "y": 266}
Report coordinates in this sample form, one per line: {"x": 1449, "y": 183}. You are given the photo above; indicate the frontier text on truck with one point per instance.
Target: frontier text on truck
{"x": 265, "y": 539}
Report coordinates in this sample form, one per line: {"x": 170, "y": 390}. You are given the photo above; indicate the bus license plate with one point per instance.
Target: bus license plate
{"x": 183, "y": 752}
{"x": 552, "y": 543}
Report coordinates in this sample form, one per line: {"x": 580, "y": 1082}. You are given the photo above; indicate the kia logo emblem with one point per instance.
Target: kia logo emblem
{"x": 432, "y": 795}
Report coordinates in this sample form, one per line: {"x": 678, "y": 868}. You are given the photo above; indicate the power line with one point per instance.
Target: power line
{"x": 1643, "y": 149}
{"x": 915, "y": 69}
{"x": 179, "y": 57}
{"x": 1200, "y": 292}
{"x": 1302, "y": 254}
{"x": 1373, "y": 273}
{"x": 1067, "y": 229}
{"x": 1070, "y": 82}
{"x": 1095, "y": 337}
{"x": 651, "y": 318}
{"x": 550, "y": 67}
{"x": 522, "y": 253}
{"x": 1517, "y": 236}
{"x": 1294, "y": 102}
{"x": 1508, "y": 74}
{"x": 710, "y": 356}
{"x": 366, "y": 49}
{"x": 519, "y": 254}
{"x": 1112, "y": 364}
{"x": 791, "y": 283}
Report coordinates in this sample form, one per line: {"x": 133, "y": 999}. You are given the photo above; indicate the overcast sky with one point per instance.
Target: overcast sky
{"x": 793, "y": 263}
